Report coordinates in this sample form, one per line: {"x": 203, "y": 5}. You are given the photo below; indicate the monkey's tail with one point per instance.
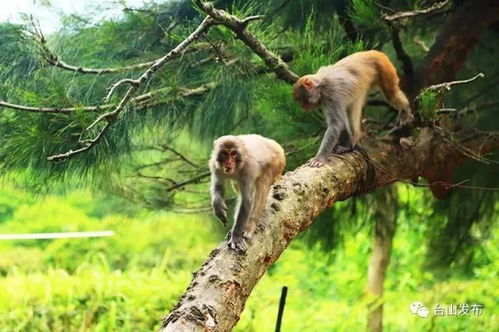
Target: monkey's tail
{"x": 389, "y": 83}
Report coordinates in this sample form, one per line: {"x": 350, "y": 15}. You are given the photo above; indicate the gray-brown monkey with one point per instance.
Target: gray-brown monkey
{"x": 341, "y": 90}
{"x": 252, "y": 163}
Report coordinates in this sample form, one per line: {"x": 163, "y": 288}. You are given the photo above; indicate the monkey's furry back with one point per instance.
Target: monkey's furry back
{"x": 257, "y": 151}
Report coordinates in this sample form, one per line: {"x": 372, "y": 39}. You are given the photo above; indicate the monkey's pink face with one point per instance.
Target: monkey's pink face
{"x": 306, "y": 93}
{"x": 229, "y": 160}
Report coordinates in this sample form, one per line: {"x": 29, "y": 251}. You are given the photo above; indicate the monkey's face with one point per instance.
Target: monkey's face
{"x": 306, "y": 93}
{"x": 229, "y": 159}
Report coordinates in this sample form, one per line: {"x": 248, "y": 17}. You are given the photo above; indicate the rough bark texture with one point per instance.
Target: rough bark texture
{"x": 218, "y": 291}
{"x": 385, "y": 218}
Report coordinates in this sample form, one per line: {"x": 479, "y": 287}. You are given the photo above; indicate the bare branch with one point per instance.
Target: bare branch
{"x": 252, "y": 18}
{"x": 134, "y": 83}
{"x": 408, "y": 14}
{"x": 238, "y": 26}
{"x": 54, "y": 60}
{"x": 52, "y": 109}
{"x": 418, "y": 41}
{"x": 142, "y": 100}
{"x": 194, "y": 179}
{"x": 447, "y": 85}
{"x": 111, "y": 117}
{"x": 492, "y": 84}
{"x": 88, "y": 144}
{"x": 181, "y": 156}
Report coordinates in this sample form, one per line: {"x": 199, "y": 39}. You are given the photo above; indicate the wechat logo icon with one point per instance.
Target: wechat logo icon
{"x": 419, "y": 309}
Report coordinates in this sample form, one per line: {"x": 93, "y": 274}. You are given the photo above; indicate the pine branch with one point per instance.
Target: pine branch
{"x": 53, "y": 109}
{"x": 409, "y": 14}
{"x": 54, "y": 60}
{"x": 110, "y": 117}
{"x": 143, "y": 101}
{"x": 239, "y": 27}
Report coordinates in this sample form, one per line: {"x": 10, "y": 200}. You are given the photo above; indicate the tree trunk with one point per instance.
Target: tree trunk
{"x": 385, "y": 218}
{"x": 458, "y": 37}
{"x": 218, "y": 291}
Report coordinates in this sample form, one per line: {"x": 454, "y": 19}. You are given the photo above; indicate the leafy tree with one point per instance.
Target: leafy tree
{"x": 112, "y": 103}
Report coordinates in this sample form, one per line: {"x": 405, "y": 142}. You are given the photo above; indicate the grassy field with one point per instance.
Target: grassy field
{"x": 129, "y": 281}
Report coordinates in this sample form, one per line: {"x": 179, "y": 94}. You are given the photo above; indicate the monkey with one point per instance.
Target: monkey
{"x": 341, "y": 90}
{"x": 252, "y": 163}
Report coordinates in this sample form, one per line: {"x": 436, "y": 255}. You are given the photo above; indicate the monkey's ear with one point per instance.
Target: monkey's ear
{"x": 309, "y": 83}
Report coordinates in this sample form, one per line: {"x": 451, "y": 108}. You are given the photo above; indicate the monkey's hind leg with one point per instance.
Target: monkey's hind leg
{"x": 355, "y": 117}
{"x": 262, "y": 189}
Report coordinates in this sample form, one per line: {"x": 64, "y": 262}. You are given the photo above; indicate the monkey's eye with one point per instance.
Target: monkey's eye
{"x": 233, "y": 153}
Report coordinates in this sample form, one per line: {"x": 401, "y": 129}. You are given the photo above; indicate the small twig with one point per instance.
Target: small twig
{"x": 89, "y": 144}
{"x": 492, "y": 84}
{"x": 181, "y": 156}
{"x": 421, "y": 44}
{"x": 447, "y": 85}
{"x": 155, "y": 178}
{"x": 194, "y": 179}
{"x": 408, "y": 14}
{"x": 448, "y": 186}
{"x": 113, "y": 87}
{"x": 248, "y": 19}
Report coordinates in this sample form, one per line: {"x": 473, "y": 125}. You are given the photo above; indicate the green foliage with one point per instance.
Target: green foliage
{"x": 366, "y": 14}
{"x": 428, "y": 101}
{"x": 129, "y": 281}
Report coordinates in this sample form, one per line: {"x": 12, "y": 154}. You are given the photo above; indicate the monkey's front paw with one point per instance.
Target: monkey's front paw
{"x": 220, "y": 210}
{"x": 237, "y": 243}
{"x": 317, "y": 162}
{"x": 405, "y": 119}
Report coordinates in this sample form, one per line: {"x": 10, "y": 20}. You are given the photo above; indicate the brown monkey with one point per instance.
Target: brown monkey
{"x": 341, "y": 91}
{"x": 252, "y": 163}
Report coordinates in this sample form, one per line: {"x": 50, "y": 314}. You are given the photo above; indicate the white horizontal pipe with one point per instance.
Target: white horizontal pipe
{"x": 62, "y": 235}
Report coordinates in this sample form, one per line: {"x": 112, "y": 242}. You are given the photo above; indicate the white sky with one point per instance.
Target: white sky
{"x": 49, "y": 21}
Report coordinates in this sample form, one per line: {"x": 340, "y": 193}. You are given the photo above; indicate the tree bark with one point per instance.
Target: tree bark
{"x": 385, "y": 219}
{"x": 218, "y": 291}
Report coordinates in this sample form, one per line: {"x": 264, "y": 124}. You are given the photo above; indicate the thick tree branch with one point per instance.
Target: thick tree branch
{"x": 216, "y": 296}
{"x": 238, "y": 26}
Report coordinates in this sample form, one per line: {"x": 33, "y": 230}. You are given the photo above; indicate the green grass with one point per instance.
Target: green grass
{"x": 129, "y": 281}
